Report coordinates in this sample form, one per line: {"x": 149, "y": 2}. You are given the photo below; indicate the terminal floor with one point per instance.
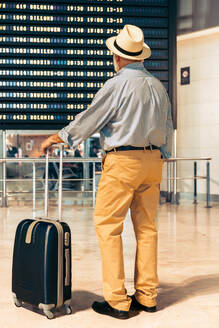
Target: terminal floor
{"x": 188, "y": 270}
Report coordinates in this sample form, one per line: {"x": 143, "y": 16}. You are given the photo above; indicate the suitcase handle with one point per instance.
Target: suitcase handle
{"x": 67, "y": 267}
{"x": 60, "y": 146}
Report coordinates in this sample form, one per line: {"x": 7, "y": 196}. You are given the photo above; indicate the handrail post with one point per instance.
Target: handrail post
{"x": 94, "y": 185}
{"x": 174, "y": 200}
{"x": 195, "y": 183}
{"x": 4, "y": 173}
{"x": 34, "y": 190}
{"x": 168, "y": 196}
{"x": 208, "y": 185}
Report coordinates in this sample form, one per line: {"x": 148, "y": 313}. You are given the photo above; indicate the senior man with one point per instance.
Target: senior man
{"x": 133, "y": 115}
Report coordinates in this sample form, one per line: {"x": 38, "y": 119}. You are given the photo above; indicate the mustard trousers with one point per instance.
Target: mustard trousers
{"x": 130, "y": 179}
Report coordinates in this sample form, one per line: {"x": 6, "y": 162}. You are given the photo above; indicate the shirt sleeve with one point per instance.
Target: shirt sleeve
{"x": 166, "y": 149}
{"x": 93, "y": 119}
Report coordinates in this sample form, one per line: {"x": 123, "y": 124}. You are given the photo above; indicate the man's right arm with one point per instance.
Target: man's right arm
{"x": 53, "y": 139}
{"x": 90, "y": 121}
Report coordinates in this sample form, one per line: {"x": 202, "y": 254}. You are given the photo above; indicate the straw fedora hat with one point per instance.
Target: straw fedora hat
{"x": 129, "y": 43}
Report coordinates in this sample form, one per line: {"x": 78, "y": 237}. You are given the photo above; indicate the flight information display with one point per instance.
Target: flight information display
{"x": 53, "y": 57}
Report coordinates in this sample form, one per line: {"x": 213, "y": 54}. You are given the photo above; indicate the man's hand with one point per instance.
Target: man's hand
{"x": 54, "y": 139}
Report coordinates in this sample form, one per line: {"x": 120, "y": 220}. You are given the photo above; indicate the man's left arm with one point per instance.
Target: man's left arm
{"x": 166, "y": 150}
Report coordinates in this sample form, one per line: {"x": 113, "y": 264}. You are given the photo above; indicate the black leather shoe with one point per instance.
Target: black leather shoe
{"x": 105, "y": 308}
{"x": 135, "y": 305}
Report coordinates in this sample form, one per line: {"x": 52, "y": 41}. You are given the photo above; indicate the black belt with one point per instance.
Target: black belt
{"x": 121, "y": 148}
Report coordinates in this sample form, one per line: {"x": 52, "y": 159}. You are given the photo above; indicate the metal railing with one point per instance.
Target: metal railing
{"x": 4, "y": 179}
{"x": 195, "y": 177}
{"x": 92, "y": 160}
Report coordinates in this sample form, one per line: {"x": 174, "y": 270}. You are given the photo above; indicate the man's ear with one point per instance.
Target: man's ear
{"x": 117, "y": 58}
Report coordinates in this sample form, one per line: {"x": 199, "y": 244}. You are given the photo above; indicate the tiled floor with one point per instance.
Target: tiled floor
{"x": 188, "y": 271}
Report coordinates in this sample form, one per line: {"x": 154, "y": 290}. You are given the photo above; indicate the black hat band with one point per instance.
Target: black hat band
{"x": 129, "y": 53}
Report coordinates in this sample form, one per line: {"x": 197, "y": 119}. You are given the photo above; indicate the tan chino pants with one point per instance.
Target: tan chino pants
{"x": 130, "y": 179}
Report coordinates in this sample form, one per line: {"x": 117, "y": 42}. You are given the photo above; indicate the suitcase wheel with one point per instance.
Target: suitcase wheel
{"x": 68, "y": 309}
{"x": 17, "y": 302}
{"x": 49, "y": 314}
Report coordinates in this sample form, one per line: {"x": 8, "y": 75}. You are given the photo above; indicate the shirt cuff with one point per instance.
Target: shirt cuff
{"x": 65, "y": 136}
{"x": 165, "y": 154}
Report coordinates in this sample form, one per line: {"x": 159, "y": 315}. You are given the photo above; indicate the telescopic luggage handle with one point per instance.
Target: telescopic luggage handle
{"x": 60, "y": 147}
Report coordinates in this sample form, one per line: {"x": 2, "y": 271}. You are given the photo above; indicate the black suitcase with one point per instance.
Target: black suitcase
{"x": 41, "y": 273}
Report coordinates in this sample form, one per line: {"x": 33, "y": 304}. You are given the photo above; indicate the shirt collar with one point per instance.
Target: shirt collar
{"x": 136, "y": 66}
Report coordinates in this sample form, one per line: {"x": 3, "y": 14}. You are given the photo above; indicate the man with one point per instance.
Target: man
{"x": 132, "y": 113}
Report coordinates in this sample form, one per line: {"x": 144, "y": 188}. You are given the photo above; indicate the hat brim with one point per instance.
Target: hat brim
{"x": 146, "y": 51}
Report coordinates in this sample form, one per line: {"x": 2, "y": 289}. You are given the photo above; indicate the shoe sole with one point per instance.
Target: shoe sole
{"x": 139, "y": 308}
{"x": 110, "y": 314}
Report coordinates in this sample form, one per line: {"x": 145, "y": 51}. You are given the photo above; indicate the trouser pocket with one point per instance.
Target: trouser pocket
{"x": 102, "y": 162}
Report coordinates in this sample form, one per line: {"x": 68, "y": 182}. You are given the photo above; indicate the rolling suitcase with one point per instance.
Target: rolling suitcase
{"x": 41, "y": 273}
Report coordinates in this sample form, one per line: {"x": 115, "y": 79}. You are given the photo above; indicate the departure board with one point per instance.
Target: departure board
{"x": 53, "y": 57}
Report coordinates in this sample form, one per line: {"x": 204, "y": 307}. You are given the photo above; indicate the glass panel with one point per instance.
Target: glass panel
{"x": 20, "y": 144}
{"x": 185, "y": 7}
